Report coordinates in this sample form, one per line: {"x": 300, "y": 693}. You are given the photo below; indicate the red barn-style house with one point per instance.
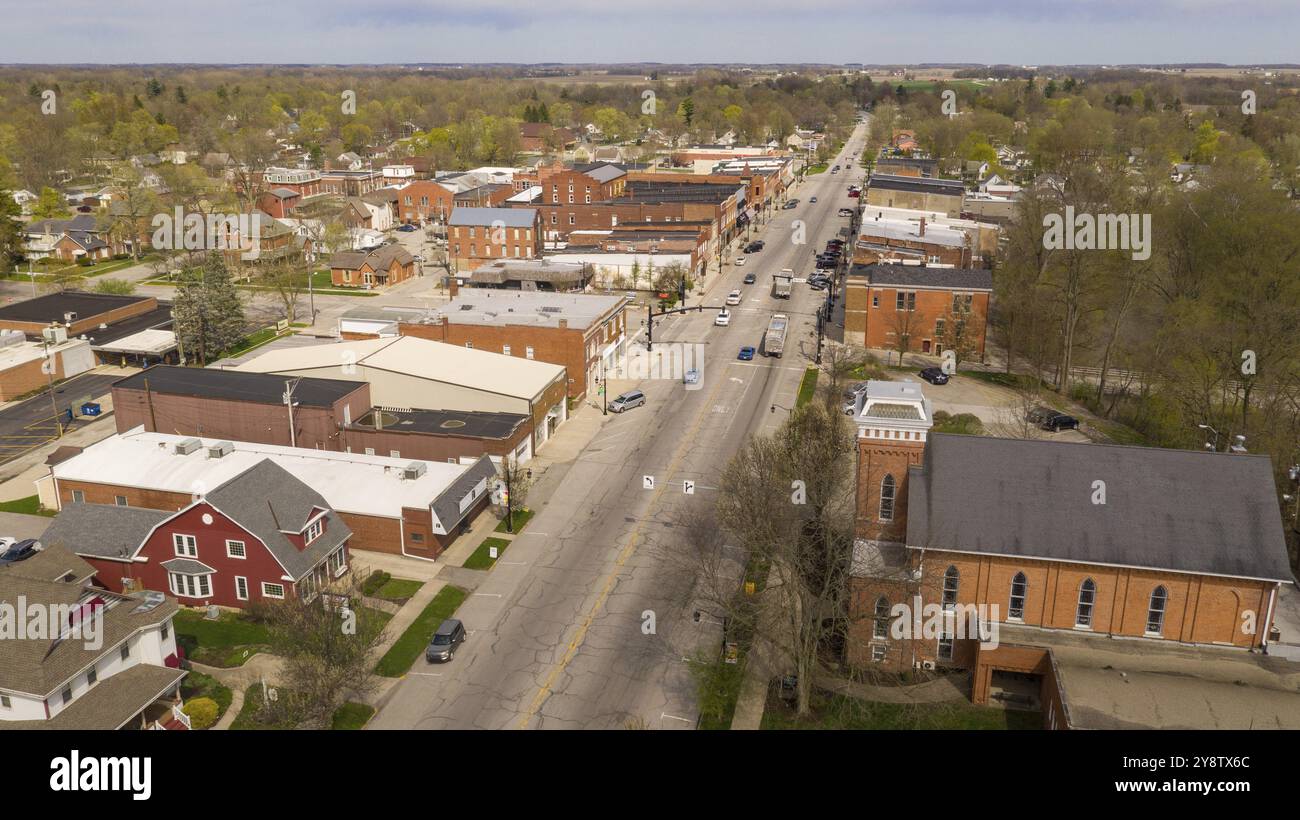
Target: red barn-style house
{"x": 261, "y": 535}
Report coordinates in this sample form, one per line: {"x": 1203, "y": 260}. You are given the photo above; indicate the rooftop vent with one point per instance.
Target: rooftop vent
{"x": 187, "y": 446}
{"x": 414, "y": 470}
{"x": 220, "y": 449}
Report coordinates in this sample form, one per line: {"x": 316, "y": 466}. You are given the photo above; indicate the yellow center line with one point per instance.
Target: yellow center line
{"x": 623, "y": 556}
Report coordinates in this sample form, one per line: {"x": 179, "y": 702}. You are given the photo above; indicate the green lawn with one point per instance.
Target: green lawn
{"x": 819, "y": 168}
{"x": 248, "y": 717}
{"x": 31, "y": 505}
{"x": 253, "y": 340}
{"x": 840, "y": 712}
{"x": 399, "y": 590}
{"x": 967, "y": 423}
{"x": 228, "y": 641}
{"x": 410, "y": 646}
{"x": 352, "y": 716}
{"x": 481, "y": 559}
{"x": 521, "y": 517}
{"x": 807, "y": 387}
{"x": 717, "y": 684}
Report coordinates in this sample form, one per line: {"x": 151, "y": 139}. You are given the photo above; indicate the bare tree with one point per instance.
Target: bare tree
{"x": 329, "y": 645}
{"x": 515, "y": 480}
{"x": 906, "y": 324}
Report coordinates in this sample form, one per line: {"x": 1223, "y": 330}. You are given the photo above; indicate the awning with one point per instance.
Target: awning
{"x": 145, "y": 343}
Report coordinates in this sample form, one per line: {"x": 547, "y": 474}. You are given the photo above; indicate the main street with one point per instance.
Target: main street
{"x": 556, "y": 637}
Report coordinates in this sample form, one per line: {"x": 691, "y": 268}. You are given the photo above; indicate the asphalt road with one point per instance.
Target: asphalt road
{"x": 31, "y": 423}
{"x": 556, "y": 631}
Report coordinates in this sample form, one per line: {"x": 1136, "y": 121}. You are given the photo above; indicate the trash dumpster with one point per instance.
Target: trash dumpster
{"x": 90, "y": 408}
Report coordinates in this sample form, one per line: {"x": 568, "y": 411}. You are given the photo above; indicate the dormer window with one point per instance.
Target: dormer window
{"x": 314, "y": 529}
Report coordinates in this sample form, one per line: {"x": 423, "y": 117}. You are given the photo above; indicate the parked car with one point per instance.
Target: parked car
{"x": 449, "y": 634}
{"x": 812, "y": 199}
{"x": 1052, "y": 420}
{"x": 852, "y": 391}
{"x": 733, "y": 298}
{"x": 755, "y": 246}
{"x": 794, "y": 203}
{"x": 407, "y": 228}
{"x": 746, "y": 354}
{"x": 934, "y": 375}
{"x": 626, "y": 401}
{"x": 20, "y": 551}
{"x": 820, "y": 284}
{"x": 846, "y": 212}
{"x": 750, "y": 279}
{"x": 691, "y": 377}
{"x": 740, "y": 260}
{"x": 723, "y": 318}
{"x": 855, "y": 194}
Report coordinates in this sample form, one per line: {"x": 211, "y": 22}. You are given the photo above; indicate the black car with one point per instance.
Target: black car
{"x": 20, "y": 551}
{"x": 934, "y": 375}
{"x": 754, "y": 247}
{"x": 1052, "y": 420}
{"x": 819, "y": 284}
{"x": 750, "y": 279}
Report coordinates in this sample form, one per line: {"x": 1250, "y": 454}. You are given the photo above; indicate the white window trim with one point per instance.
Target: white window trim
{"x": 239, "y": 578}
{"x": 192, "y": 542}
{"x": 179, "y": 592}
{"x": 242, "y": 545}
{"x": 266, "y": 594}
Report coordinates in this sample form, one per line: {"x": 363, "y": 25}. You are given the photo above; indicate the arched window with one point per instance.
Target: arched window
{"x": 1019, "y": 586}
{"x": 1087, "y": 596}
{"x": 1156, "y": 611}
{"x": 951, "y": 580}
{"x": 880, "y": 629}
{"x": 887, "y": 490}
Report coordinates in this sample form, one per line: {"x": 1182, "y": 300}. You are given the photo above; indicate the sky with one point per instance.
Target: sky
{"x": 1019, "y": 32}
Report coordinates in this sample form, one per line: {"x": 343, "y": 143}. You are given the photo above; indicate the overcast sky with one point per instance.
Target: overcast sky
{"x": 750, "y": 31}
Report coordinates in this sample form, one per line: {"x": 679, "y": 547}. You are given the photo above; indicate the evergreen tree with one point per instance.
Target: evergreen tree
{"x": 208, "y": 315}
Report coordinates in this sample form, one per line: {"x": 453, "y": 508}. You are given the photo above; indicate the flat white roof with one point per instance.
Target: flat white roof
{"x": 350, "y": 482}
{"x": 419, "y": 358}
{"x": 155, "y": 342}
{"x": 12, "y": 356}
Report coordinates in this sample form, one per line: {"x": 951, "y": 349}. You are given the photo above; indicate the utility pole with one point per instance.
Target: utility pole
{"x": 289, "y": 386}
{"x": 48, "y": 367}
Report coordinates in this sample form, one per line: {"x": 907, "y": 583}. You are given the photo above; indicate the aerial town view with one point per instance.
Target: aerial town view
{"x": 798, "y": 370}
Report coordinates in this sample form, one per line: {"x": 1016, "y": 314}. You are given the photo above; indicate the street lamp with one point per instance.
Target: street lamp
{"x": 1214, "y": 448}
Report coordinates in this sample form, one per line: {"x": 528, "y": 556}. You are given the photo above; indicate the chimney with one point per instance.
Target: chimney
{"x": 453, "y": 286}
{"x": 564, "y": 323}
{"x": 922, "y": 226}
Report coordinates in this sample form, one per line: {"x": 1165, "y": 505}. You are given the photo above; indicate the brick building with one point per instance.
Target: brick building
{"x": 580, "y": 332}
{"x": 306, "y": 183}
{"x": 279, "y": 202}
{"x": 262, "y": 534}
{"x": 391, "y": 504}
{"x": 922, "y": 308}
{"x": 424, "y": 200}
{"x": 120, "y": 329}
{"x": 1049, "y": 542}
{"x": 478, "y": 235}
{"x": 892, "y": 241}
{"x": 923, "y": 194}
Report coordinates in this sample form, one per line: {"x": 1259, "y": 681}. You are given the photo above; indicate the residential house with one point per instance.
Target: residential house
{"x": 476, "y": 235}
{"x": 387, "y": 266}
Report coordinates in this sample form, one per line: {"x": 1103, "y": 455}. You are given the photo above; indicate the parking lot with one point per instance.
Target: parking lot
{"x": 32, "y": 422}
{"x": 998, "y": 408}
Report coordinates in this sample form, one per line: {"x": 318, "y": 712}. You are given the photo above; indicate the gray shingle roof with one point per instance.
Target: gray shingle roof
{"x": 266, "y": 499}
{"x": 917, "y": 276}
{"x": 103, "y": 530}
{"x": 1180, "y": 510}
{"x": 447, "y": 505}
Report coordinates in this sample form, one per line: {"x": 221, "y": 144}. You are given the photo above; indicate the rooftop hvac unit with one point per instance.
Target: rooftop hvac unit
{"x": 414, "y": 470}
{"x": 9, "y": 338}
{"x": 221, "y": 448}
{"x": 187, "y": 446}
{"x": 55, "y": 334}
{"x": 70, "y": 316}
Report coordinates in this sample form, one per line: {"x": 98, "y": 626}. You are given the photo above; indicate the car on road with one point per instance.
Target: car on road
{"x": 794, "y": 203}
{"x": 442, "y": 647}
{"x": 740, "y": 260}
{"x": 818, "y": 279}
{"x": 626, "y": 401}
{"x": 407, "y": 228}
{"x": 934, "y": 375}
{"x": 755, "y": 246}
{"x": 845, "y": 212}
{"x": 746, "y": 354}
{"x": 723, "y": 318}
{"x": 750, "y": 279}
{"x": 812, "y": 199}
{"x": 733, "y": 298}
{"x": 855, "y": 194}
{"x": 1051, "y": 420}
{"x": 820, "y": 284}
{"x": 20, "y": 551}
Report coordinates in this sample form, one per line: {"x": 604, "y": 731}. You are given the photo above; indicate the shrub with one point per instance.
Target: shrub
{"x": 375, "y": 581}
{"x": 202, "y": 712}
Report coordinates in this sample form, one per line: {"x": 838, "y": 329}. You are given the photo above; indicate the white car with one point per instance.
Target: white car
{"x": 740, "y": 260}
{"x": 723, "y": 318}
{"x": 733, "y": 298}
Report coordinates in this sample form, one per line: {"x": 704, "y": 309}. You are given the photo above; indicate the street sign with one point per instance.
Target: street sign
{"x": 492, "y": 553}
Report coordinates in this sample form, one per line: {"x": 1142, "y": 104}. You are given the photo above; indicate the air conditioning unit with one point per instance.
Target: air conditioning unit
{"x": 414, "y": 470}
{"x": 220, "y": 449}
{"x": 187, "y": 446}
{"x": 927, "y": 665}
{"x": 55, "y": 334}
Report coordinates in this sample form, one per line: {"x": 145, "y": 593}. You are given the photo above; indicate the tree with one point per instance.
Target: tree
{"x": 328, "y": 644}
{"x": 287, "y": 278}
{"x": 515, "y": 479}
{"x": 11, "y": 246}
{"x": 788, "y": 500}
{"x": 49, "y": 205}
{"x": 906, "y": 323}
{"x": 117, "y": 287}
{"x": 207, "y": 312}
